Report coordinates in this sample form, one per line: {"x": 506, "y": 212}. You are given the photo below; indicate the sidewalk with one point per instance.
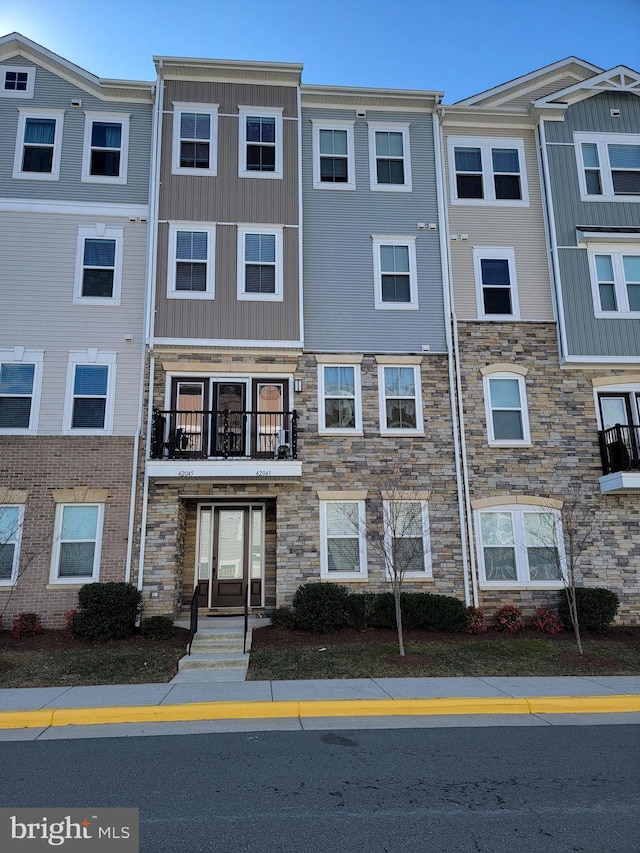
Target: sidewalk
{"x": 332, "y": 703}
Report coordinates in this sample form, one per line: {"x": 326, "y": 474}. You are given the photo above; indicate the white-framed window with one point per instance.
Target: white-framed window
{"x": 496, "y": 283}
{"x": 400, "y": 396}
{"x": 389, "y": 157}
{"x": 520, "y": 546}
{"x": 17, "y": 81}
{"x": 260, "y": 142}
{"x": 20, "y": 385}
{"x": 505, "y": 400}
{"x": 343, "y": 548}
{"x": 195, "y": 139}
{"x": 333, "y": 155}
{"x": 190, "y": 274}
{"x": 487, "y": 171}
{"x": 38, "y": 144}
{"x": 406, "y": 538}
{"x": 615, "y": 279}
{"x": 105, "y": 154}
{"x": 395, "y": 275}
{"x": 11, "y": 523}
{"x": 608, "y": 166}
{"x": 339, "y": 398}
{"x": 98, "y": 278}
{"x": 260, "y": 263}
{"x": 77, "y": 543}
{"x": 89, "y": 402}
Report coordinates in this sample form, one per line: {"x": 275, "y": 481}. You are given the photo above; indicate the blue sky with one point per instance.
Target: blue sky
{"x": 460, "y": 47}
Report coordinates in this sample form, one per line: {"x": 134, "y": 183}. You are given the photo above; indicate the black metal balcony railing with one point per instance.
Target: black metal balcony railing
{"x": 619, "y": 448}
{"x": 210, "y": 435}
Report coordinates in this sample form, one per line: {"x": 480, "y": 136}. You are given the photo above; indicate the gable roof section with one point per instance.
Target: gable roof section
{"x": 618, "y": 79}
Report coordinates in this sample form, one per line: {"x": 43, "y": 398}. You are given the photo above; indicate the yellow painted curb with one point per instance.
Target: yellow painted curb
{"x": 174, "y": 713}
{"x": 584, "y": 704}
{"x": 26, "y": 719}
{"x": 409, "y": 707}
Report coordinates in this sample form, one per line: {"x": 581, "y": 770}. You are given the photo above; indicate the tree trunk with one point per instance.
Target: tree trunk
{"x": 573, "y": 612}
{"x": 396, "y": 599}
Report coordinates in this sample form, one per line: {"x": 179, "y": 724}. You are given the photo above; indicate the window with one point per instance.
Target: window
{"x": 17, "y": 82}
{"x": 406, "y": 535}
{"x": 394, "y": 267}
{"x": 615, "y": 277}
{"x": 38, "y": 145}
{"x": 389, "y": 158}
{"x": 11, "y": 521}
{"x": 496, "y": 285}
{"x": 98, "y": 266}
{"x": 400, "y": 399}
{"x": 77, "y": 543}
{"x": 487, "y": 171}
{"x": 339, "y": 404}
{"x": 506, "y": 409}
{"x": 520, "y": 546}
{"x": 333, "y": 156}
{"x": 106, "y": 148}
{"x": 608, "y": 166}
{"x": 90, "y": 392}
{"x": 191, "y": 262}
{"x": 20, "y": 382}
{"x": 260, "y": 137}
{"x": 259, "y": 263}
{"x": 195, "y": 139}
{"x": 343, "y": 547}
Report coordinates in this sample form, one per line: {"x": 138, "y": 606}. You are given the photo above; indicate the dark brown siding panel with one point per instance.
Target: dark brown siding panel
{"x": 230, "y": 95}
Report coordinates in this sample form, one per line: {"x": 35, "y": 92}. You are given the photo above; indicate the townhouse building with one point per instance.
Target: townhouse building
{"x": 73, "y": 212}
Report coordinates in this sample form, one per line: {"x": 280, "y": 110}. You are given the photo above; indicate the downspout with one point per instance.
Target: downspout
{"x": 447, "y": 290}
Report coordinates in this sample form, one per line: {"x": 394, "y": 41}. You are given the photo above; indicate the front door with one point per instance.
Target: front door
{"x": 230, "y": 418}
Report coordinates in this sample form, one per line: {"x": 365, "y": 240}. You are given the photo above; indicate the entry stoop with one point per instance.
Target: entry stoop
{"x": 216, "y": 650}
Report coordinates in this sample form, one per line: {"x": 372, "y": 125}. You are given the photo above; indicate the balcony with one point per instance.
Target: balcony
{"x": 620, "y": 454}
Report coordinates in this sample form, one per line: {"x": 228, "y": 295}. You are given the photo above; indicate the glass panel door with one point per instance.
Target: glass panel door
{"x": 188, "y": 428}
{"x": 230, "y": 418}
{"x": 270, "y": 426}
{"x": 615, "y": 410}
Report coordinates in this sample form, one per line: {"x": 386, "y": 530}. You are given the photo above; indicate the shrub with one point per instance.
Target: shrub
{"x": 475, "y": 621}
{"x": 26, "y": 625}
{"x": 156, "y": 628}
{"x": 107, "y": 611}
{"x": 321, "y": 607}
{"x": 284, "y": 617}
{"x": 508, "y": 620}
{"x": 382, "y": 612}
{"x": 596, "y": 606}
{"x": 70, "y": 623}
{"x": 440, "y": 612}
{"x": 546, "y": 620}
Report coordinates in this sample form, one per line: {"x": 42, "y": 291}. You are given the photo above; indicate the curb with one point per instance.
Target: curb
{"x": 318, "y": 708}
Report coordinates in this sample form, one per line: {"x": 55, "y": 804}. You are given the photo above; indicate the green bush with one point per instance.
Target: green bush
{"x": 284, "y": 617}
{"x": 419, "y": 610}
{"x": 383, "y": 610}
{"x": 107, "y": 611}
{"x": 596, "y": 606}
{"x": 156, "y": 628}
{"x": 321, "y": 607}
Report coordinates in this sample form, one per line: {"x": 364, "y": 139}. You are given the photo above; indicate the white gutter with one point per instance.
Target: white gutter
{"x": 300, "y": 225}
{"x": 447, "y": 290}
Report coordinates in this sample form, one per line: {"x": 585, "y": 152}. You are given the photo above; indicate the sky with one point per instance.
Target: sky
{"x": 460, "y": 47}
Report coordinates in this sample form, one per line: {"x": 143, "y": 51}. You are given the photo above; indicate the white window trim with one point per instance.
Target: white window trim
{"x": 506, "y": 253}
{"x": 324, "y": 430}
{"x": 486, "y": 144}
{"x": 426, "y": 539}
{"x": 522, "y": 389}
{"x": 212, "y": 111}
{"x": 626, "y": 389}
{"x": 19, "y": 355}
{"x": 382, "y": 398}
{"x": 263, "y": 112}
{"x": 522, "y": 580}
{"x": 30, "y": 70}
{"x": 98, "y": 232}
{"x": 209, "y": 293}
{"x": 602, "y": 140}
{"x": 276, "y": 231}
{"x": 325, "y": 574}
{"x": 17, "y": 542}
{"x": 57, "y": 541}
{"x": 90, "y": 357}
{"x": 115, "y": 118}
{"x": 622, "y": 297}
{"x": 336, "y": 124}
{"x": 410, "y": 242}
{"x": 31, "y": 112}
{"x": 397, "y": 127}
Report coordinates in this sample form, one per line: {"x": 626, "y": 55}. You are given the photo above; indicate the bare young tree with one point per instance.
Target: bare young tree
{"x": 14, "y": 560}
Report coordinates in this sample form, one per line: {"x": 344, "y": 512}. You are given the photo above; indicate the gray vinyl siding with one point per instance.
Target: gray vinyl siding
{"x": 338, "y": 252}
{"x": 37, "y": 278}
{"x": 53, "y": 92}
